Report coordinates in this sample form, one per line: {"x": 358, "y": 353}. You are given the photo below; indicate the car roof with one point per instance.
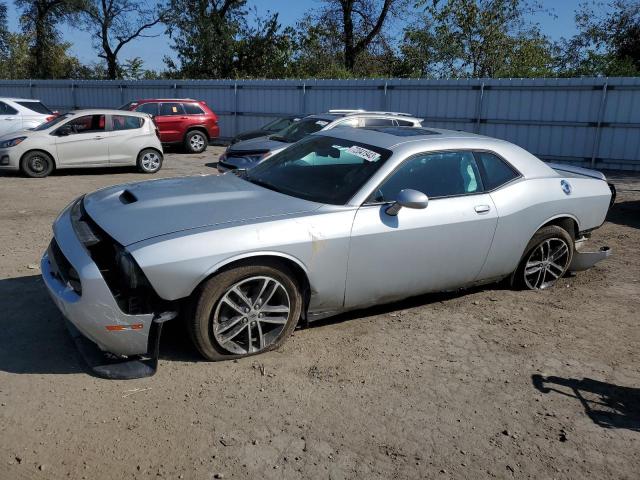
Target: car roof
{"x": 106, "y": 111}
{"x": 150, "y": 100}
{"x": 391, "y": 137}
{"x": 334, "y": 115}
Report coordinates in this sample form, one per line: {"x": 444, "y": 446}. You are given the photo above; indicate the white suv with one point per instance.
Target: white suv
{"x": 22, "y": 113}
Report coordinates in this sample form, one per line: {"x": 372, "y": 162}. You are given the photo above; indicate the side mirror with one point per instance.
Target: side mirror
{"x": 409, "y": 199}
{"x": 63, "y": 131}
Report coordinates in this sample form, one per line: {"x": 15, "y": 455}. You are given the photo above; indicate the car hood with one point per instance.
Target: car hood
{"x": 135, "y": 212}
{"x": 257, "y": 144}
{"x": 20, "y": 133}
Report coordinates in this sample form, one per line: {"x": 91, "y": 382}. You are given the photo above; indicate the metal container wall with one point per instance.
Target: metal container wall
{"x": 584, "y": 121}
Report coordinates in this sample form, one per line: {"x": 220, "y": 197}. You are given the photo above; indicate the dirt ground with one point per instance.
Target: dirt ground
{"x": 477, "y": 384}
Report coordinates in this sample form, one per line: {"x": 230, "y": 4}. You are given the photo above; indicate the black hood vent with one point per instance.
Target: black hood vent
{"x": 127, "y": 197}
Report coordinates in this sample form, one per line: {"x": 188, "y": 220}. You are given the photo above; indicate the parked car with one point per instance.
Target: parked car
{"x": 84, "y": 138}
{"x": 274, "y": 126}
{"x": 344, "y": 219}
{"x": 22, "y": 113}
{"x": 248, "y": 154}
{"x": 181, "y": 121}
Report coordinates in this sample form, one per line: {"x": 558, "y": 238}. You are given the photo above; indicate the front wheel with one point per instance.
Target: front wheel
{"x": 149, "y": 161}
{"x": 546, "y": 259}
{"x": 36, "y": 164}
{"x": 195, "y": 142}
{"x": 244, "y": 311}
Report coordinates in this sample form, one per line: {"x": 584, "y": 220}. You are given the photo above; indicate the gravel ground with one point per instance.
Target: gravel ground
{"x": 482, "y": 383}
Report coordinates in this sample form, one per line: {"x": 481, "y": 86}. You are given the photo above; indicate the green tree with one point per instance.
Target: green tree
{"x": 475, "y": 38}
{"x": 115, "y": 23}
{"x": 40, "y": 20}
{"x": 607, "y": 44}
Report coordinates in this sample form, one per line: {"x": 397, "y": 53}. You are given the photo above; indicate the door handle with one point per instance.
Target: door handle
{"x": 98, "y": 138}
{"x": 9, "y": 118}
{"x": 482, "y": 208}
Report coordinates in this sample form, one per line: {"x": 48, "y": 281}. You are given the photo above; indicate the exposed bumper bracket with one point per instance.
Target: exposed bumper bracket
{"x": 106, "y": 365}
{"x": 585, "y": 260}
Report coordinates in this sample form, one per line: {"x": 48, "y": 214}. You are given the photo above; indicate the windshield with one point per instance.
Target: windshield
{"x": 298, "y": 130}
{"x": 53, "y": 122}
{"x": 320, "y": 169}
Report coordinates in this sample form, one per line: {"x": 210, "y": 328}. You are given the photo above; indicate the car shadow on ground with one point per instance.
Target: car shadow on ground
{"x": 35, "y": 340}
{"x": 625, "y": 213}
{"x": 67, "y": 172}
{"x": 606, "y": 404}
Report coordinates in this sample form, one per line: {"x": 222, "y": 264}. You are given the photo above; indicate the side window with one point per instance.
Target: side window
{"x": 495, "y": 171}
{"x": 404, "y": 123}
{"x": 441, "y": 174}
{"x": 7, "y": 109}
{"x": 378, "y": 122}
{"x": 171, "y": 109}
{"x": 150, "y": 108}
{"x": 192, "y": 109}
{"x": 126, "y": 122}
{"x": 87, "y": 124}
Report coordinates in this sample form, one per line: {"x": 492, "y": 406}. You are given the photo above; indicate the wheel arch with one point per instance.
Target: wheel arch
{"x": 566, "y": 221}
{"x": 201, "y": 128}
{"x": 150, "y": 148}
{"x": 297, "y": 268}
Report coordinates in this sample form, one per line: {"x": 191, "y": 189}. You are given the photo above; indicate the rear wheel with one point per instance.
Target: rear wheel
{"x": 149, "y": 161}
{"x": 195, "y": 141}
{"x": 36, "y": 164}
{"x": 546, "y": 259}
{"x": 244, "y": 311}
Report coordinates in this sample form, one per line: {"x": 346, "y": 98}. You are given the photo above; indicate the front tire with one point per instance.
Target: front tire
{"x": 195, "y": 141}
{"x": 546, "y": 259}
{"x": 245, "y": 311}
{"x": 149, "y": 161}
{"x": 36, "y": 164}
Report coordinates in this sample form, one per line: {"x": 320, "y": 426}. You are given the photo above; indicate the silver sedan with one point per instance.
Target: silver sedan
{"x": 342, "y": 220}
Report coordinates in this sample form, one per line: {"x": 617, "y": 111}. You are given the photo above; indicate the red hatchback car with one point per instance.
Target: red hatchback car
{"x": 180, "y": 121}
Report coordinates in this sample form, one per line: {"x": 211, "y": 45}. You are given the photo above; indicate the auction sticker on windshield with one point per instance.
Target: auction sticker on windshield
{"x": 368, "y": 155}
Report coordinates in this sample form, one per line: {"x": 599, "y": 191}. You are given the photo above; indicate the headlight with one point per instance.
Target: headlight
{"x": 12, "y": 142}
{"x": 131, "y": 274}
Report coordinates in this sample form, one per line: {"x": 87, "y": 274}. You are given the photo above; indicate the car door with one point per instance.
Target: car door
{"x": 441, "y": 247}
{"x": 81, "y": 141}
{"x": 10, "y": 119}
{"x": 170, "y": 119}
{"x": 125, "y": 138}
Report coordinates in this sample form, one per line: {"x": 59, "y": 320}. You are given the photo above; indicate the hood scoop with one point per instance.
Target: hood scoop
{"x": 127, "y": 197}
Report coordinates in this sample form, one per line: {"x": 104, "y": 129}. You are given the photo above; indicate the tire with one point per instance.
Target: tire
{"x": 149, "y": 161}
{"x": 196, "y": 141}
{"x": 265, "y": 327}
{"x": 36, "y": 164}
{"x": 546, "y": 259}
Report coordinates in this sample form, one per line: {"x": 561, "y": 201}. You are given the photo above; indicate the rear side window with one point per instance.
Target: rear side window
{"x": 7, "y": 109}
{"x": 192, "y": 109}
{"x": 126, "y": 122}
{"x": 37, "y": 107}
{"x": 496, "y": 172}
{"x": 404, "y": 123}
{"x": 378, "y": 122}
{"x": 171, "y": 109}
{"x": 150, "y": 108}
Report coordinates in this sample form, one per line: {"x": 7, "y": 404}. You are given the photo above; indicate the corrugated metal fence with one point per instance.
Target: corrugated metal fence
{"x": 585, "y": 121}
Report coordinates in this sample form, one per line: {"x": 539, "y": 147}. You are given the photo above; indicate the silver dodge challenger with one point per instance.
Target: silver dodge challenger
{"x": 341, "y": 220}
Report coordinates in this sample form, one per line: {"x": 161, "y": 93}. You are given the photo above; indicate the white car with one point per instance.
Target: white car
{"x": 22, "y": 113}
{"x": 84, "y": 138}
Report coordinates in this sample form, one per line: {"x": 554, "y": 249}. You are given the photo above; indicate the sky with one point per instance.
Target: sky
{"x": 560, "y": 23}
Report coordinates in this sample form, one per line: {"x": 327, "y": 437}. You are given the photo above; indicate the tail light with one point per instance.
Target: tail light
{"x": 50, "y": 117}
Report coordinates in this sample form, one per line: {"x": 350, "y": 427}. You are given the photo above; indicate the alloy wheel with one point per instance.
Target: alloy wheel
{"x": 546, "y": 263}
{"x": 251, "y": 315}
{"x": 150, "y": 161}
{"x": 197, "y": 142}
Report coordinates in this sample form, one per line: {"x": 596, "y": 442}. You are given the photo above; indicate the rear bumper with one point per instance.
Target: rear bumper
{"x": 94, "y": 312}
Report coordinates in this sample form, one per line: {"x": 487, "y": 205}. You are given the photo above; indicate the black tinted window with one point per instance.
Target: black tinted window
{"x": 6, "y": 109}
{"x": 495, "y": 171}
{"x": 192, "y": 109}
{"x": 150, "y": 108}
{"x": 126, "y": 122}
{"x": 171, "y": 109}
{"x": 37, "y": 107}
{"x": 378, "y": 122}
{"x": 435, "y": 174}
{"x": 404, "y": 123}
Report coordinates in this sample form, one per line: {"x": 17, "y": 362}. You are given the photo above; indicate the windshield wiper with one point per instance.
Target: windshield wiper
{"x": 279, "y": 138}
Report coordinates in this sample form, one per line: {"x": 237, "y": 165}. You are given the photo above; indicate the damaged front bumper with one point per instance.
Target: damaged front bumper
{"x": 77, "y": 287}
